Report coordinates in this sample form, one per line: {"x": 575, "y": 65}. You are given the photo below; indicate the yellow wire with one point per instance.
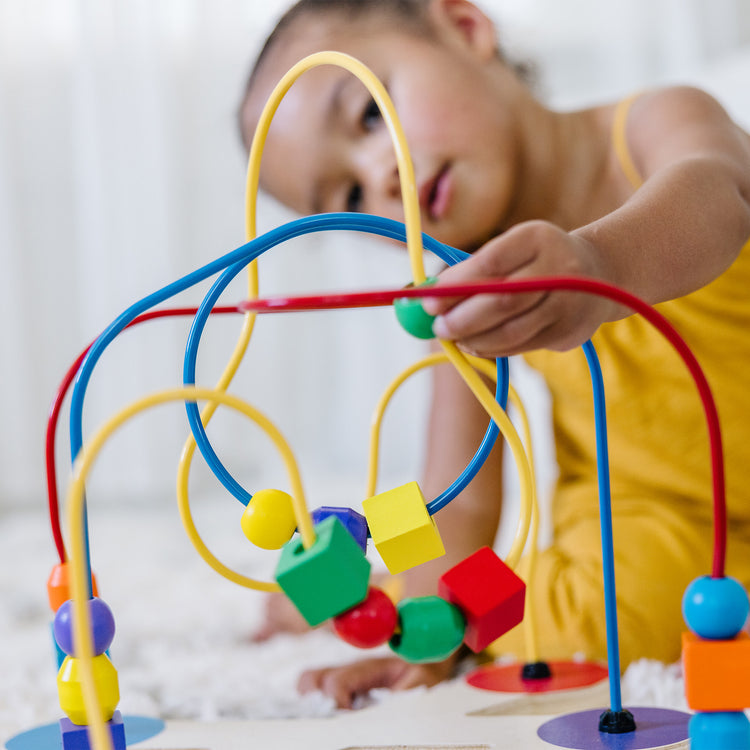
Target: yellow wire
{"x": 409, "y": 195}
{"x": 188, "y": 450}
{"x": 410, "y": 200}
{"x": 500, "y": 418}
{"x": 488, "y": 369}
{"x": 81, "y": 622}
{"x": 218, "y": 395}
{"x": 378, "y": 413}
{"x": 531, "y": 639}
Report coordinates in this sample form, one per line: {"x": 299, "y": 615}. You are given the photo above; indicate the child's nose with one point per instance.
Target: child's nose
{"x": 388, "y": 185}
{"x": 382, "y": 177}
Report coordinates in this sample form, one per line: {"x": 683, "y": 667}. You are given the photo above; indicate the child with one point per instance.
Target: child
{"x": 651, "y": 194}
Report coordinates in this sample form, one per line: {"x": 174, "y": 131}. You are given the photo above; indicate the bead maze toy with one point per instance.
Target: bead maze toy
{"x": 323, "y": 566}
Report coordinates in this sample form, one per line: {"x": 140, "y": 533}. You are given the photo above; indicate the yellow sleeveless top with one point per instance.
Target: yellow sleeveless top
{"x": 659, "y": 453}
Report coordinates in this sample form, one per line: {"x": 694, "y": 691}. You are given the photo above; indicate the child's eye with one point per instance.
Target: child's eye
{"x": 371, "y": 115}
{"x": 354, "y": 199}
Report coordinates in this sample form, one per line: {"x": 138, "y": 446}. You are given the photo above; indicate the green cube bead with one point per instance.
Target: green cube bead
{"x": 430, "y": 630}
{"x": 327, "y": 579}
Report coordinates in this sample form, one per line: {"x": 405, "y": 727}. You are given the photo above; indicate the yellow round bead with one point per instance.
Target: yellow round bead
{"x": 70, "y": 689}
{"x": 269, "y": 520}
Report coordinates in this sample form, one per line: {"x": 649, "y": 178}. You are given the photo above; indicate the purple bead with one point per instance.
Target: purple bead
{"x": 102, "y": 625}
{"x": 715, "y": 608}
{"x": 355, "y": 523}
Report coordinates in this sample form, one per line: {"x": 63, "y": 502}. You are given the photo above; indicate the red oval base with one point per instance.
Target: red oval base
{"x": 566, "y": 675}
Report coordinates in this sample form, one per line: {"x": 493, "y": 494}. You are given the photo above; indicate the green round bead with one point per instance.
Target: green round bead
{"x": 430, "y": 630}
{"x": 412, "y": 316}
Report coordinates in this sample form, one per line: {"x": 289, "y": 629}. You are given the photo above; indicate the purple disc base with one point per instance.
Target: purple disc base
{"x": 655, "y": 727}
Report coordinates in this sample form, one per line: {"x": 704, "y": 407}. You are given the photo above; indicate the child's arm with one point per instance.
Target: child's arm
{"x": 677, "y": 233}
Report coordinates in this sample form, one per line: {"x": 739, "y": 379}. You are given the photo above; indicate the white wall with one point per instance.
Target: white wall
{"x": 120, "y": 170}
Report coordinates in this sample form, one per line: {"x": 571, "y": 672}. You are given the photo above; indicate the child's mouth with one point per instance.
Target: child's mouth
{"x": 436, "y": 194}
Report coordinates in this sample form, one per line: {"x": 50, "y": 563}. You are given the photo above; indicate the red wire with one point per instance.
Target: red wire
{"x": 387, "y": 297}
{"x": 54, "y": 414}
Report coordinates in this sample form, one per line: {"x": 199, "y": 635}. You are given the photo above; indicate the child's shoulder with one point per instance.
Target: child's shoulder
{"x": 668, "y": 123}
{"x": 651, "y": 115}
{"x": 676, "y": 106}
{"x": 667, "y": 102}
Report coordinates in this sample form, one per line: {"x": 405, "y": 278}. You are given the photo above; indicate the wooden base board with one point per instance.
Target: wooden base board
{"x": 451, "y": 716}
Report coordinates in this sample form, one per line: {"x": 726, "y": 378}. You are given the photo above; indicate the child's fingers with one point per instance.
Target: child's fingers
{"x": 347, "y": 683}
{"x": 504, "y": 256}
{"x": 310, "y": 680}
{"x": 558, "y": 322}
{"x": 460, "y": 274}
{"x": 475, "y": 316}
{"x": 416, "y": 675}
{"x": 344, "y": 684}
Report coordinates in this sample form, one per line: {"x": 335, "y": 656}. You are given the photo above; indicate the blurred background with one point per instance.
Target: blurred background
{"x": 121, "y": 170}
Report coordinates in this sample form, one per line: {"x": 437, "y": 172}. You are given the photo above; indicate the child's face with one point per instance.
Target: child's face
{"x": 328, "y": 149}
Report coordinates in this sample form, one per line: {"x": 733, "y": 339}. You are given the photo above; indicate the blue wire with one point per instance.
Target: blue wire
{"x": 232, "y": 263}
{"x": 188, "y": 378}
{"x": 245, "y": 253}
{"x": 458, "y": 486}
{"x": 605, "y": 520}
{"x": 374, "y": 224}
{"x": 97, "y": 349}
{"x": 451, "y": 256}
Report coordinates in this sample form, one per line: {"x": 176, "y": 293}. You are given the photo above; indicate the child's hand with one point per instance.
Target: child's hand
{"x": 280, "y": 616}
{"x": 505, "y": 324}
{"x": 347, "y": 682}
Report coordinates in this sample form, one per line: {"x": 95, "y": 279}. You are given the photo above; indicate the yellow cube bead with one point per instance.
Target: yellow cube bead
{"x": 402, "y": 530}
{"x": 70, "y": 689}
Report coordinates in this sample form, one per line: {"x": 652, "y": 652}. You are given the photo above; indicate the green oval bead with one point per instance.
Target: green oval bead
{"x": 412, "y": 316}
{"x": 430, "y": 630}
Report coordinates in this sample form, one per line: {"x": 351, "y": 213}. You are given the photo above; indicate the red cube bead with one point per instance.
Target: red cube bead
{"x": 488, "y": 593}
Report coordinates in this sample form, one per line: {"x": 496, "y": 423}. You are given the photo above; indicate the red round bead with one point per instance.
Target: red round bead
{"x": 369, "y": 624}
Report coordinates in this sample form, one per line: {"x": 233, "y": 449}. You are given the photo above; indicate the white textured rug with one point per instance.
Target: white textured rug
{"x": 182, "y": 648}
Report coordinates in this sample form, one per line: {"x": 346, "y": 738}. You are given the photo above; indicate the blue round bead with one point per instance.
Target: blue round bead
{"x": 719, "y": 730}
{"x": 715, "y": 608}
{"x": 102, "y": 626}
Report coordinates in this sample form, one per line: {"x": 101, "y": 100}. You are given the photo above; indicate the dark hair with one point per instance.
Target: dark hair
{"x": 408, "y": 10}
{"x": 411, "y": 12}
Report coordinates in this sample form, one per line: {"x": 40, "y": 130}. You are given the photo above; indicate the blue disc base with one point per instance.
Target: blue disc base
{"x": 47, "y": 737}
{"x": 655, "y": 727}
